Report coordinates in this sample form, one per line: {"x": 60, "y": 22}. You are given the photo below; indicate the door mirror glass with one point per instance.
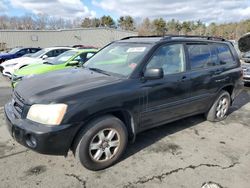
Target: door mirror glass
{"x": 72, "y": 63}
{"x": 44, "y": 57}
{"x": 153, "y": 73}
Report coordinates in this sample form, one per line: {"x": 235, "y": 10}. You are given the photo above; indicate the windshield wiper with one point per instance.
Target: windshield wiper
{"x": 99, "y": 71}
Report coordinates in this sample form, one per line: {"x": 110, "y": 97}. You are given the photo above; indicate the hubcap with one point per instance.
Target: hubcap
{"x": 222, "y": 107}
{"x": 104, "y": 145}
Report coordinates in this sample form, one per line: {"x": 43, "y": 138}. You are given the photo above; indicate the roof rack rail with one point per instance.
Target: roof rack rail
{"x": 129, "y": 37}
{"x": 167, "y": 37}
{"x": 197, "y": 36}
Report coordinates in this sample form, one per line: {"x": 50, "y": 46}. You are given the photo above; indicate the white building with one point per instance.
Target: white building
{"x": 45, "y": 38}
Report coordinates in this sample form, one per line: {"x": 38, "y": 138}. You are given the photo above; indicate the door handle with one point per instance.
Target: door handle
{"x": 183, "y": 78}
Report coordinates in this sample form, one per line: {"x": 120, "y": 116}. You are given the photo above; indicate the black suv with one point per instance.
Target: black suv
{"x": 129, "y": 86}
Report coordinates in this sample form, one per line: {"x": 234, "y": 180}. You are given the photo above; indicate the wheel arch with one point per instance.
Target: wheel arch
{"x": 125, "y": 116}
{"x": 229, "y": 89}
{"x": 21, "y": 66}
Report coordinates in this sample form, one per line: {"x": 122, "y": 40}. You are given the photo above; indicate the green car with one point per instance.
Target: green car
{"x": 65, "y": 60}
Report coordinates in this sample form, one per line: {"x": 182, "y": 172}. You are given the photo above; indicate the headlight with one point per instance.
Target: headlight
{"x": 48, "y": 114}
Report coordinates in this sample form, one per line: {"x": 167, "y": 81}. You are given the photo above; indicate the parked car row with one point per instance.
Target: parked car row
{"x": 127, "y": 87}
{"x": 17, "y": 52}
{"x": 74, "y": 57}
{"x": 44, "y": 60}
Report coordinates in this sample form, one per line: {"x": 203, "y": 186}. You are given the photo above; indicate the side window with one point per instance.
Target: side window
{"x": 50, "y": 53}
{"x": 224, "y": 54}
{"x": 62, "y": 51}
{"x": 200, "y": 56}
{"x": 170, "y": 58}
{"x": 22, "y": 52}
{"x": 57, "y": 52}
{"x": 33, "y": 50}
{"x": 89, "y": 55}
{"x": 78, "y": 58}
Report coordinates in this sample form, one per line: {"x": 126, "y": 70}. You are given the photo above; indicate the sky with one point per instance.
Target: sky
{"x": 219, "y": 11}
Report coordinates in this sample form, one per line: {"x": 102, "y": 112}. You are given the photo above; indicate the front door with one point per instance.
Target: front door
{"x": 165, "y": 99}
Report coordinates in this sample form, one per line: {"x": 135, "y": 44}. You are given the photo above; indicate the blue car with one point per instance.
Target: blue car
{"x": 17, "y": 52}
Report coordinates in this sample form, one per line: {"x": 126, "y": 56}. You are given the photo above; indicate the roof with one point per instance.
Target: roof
{"x": 84, "y": 50}
{"x": 154, "y": 39}
{"x": 59, "y": 47}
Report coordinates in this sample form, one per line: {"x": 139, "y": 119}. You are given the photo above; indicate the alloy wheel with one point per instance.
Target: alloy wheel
{"x": 104, "y": 145}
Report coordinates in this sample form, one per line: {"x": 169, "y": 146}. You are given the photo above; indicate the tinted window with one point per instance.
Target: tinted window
{"x": 22, "y": 52}
{"x": 33, "y": 50}
{"x": 170, "y": 58}
{"x": 57, "y": 52}
{"x": 224, "y": 54}
{"x": 50, "y": 53}
{"x": 200, "y": 56}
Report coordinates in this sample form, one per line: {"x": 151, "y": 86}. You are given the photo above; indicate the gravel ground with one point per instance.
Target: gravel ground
{"x": 183, "y": 154}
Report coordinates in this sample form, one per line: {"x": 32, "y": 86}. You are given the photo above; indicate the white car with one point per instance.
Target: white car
{"x": 10, "y": 66}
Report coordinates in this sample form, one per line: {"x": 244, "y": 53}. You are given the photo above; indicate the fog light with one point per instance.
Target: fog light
{"x": 31, "y": 141}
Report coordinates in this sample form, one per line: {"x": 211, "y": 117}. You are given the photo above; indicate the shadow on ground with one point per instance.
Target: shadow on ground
{"x": 149, "y": 137}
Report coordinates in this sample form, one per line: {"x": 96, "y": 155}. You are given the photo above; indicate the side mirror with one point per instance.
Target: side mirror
{"x": 153, "y": 73}
{"x": 244, "y": 43}
{"x": 44, "y": 57}
{"x": 72, "y": 63}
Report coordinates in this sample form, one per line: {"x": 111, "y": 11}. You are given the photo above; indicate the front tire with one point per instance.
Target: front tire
{"x": 102, "y": 143}
{"x": 220, "y": 107}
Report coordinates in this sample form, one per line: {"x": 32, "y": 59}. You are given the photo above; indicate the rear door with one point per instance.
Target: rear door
{"x": 165, "y": 99}
{"x": 202, "y": 59}
{"x": 208, "y": 63}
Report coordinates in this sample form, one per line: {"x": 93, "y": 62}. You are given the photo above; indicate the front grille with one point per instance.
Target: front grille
{"x": 18, "y": 105}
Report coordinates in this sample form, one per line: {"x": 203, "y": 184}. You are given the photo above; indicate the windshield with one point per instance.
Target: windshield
{"x": 15, "y": 50}
{"x": 39, "y": 53}
{"x": 118, "y": 58}
{"x": 63, "y": 57}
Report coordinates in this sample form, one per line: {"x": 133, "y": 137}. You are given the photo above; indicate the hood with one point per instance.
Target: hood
{"x": 20, "y": 60}
{"x": 38, "y": 68}
{"x": 6, "y": 55}
{"x": 61, "y": 86}
{"x": 244, "y": 43}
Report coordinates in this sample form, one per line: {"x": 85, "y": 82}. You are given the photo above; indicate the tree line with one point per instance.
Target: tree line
{"x": 158, "y": 26}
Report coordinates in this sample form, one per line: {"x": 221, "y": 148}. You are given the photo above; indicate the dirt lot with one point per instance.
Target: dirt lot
{"x": 184, "y": 154}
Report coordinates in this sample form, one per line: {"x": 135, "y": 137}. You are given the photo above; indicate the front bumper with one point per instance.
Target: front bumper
{"x": 43, "y": 139}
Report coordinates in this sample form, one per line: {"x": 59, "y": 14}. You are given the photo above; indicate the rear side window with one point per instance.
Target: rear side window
{"x": 33, "y": 50}
{"x": 200, "y": 56}
{"x": 224, "y": 54}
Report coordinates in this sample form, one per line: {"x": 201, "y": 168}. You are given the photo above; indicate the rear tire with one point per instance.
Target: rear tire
{"x": 220, "y": 107}
{"x": 102, "y": 143}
